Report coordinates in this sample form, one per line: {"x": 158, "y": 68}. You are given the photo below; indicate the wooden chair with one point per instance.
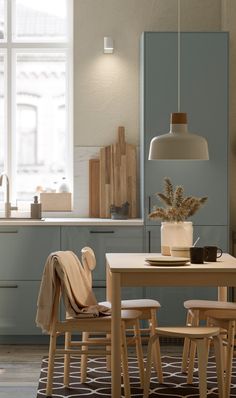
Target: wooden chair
{"x": 88, "y": 325}
{"x": 199, "y": 335}
{"x": 147, "y": 307}
{"x": 196, "y": 312}
{"x": 226, "y": 320}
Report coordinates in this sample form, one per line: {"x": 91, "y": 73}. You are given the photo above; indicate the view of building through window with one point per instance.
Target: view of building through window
{"x": 38, "y": 114}
{"x": 2, "y": 115}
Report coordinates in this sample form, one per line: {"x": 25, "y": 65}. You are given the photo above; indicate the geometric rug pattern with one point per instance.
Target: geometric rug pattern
{"x": 99, "y": 380}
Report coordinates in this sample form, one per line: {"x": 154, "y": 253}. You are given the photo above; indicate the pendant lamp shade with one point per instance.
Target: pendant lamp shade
{"x": 179, "y": 143}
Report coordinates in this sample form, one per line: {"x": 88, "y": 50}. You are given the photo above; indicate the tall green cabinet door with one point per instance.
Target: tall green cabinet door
{"x": 204, "y": 96}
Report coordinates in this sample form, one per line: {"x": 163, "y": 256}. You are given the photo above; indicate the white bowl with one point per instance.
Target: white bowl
{"x": 178, "y": 251}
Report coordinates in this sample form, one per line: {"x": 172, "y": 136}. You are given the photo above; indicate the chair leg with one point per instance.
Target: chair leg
{"x": 139, "y": 351}
{"x": 84, "y": 359}
{"x": 229, "y": 357}
{"x": 124, "y": 356}
{"x": 186, "y": 347}
{"x": 156, "y": 352}
{"x": 108, "y": 357}
{"x": 51, "y": 358}
{"x": 218, "y": 347}
{"x": 67, "y": 360}
{"x": 148, "y": 366}
{"x": 202, "y": 366}
{"x": 192, "y": 351}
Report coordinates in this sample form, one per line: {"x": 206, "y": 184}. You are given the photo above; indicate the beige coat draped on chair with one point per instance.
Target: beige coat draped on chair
{"x": 64, "y": 267}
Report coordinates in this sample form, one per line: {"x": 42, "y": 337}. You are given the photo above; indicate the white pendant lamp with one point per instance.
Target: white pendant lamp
{"x": 179, "y": 143}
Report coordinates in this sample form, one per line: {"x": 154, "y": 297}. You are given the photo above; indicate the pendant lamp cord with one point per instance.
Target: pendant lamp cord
{"x": 178, "y": 55}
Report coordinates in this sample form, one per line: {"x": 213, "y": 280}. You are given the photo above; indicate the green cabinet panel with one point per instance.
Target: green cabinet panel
{"x": 209, "y": 235}
{"x": 102, "y": 240}
{"x": 18, "y": 301}
{"x": 204, "y": 96}
{"x": 24, "y": 251}
{"x": 172, "y": 311}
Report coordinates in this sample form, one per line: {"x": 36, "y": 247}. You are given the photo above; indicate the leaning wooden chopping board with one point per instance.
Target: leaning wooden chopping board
{"x": 118, "y": 176}
{"x": 94, "y": 188}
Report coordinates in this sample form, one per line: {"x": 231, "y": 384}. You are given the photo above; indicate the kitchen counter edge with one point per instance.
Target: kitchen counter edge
{"x": 73, "y": 222}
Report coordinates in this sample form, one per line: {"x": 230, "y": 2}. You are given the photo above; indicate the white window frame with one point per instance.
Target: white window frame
{"x": 10, "y": 47}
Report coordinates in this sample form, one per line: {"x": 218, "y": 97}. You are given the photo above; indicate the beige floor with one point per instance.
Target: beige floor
{"x": 20, "y": 368}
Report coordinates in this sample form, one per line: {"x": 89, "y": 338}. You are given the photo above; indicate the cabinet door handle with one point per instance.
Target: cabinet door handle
{"x": 101, "y": 232}
{"x": 149, "y": 241}
{"x": 13, "y": 231}
{"x": 8, "y": 286}
{"x": 149, "y": 204}
{"x": 99, "y": 287}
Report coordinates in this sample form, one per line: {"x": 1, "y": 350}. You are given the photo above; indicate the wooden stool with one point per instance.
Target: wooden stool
{"x": 199, "y": 335}
{"x": 225, "y": 319}
{"x": 196, "y": 311}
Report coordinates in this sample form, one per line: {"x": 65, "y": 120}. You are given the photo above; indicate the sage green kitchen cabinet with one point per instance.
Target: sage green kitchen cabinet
{"x": 208, "y": 234}
{"x": 104, "y": 240}
{"x": 204, "y": 96}
{"x": 18, "y": 300}
{"x": 24, "y": 251}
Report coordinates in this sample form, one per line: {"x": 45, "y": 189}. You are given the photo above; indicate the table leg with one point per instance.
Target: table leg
{"x": 222, "y": 293}
{"x": 116, "y": 336}
{"x": 108, "y": 298}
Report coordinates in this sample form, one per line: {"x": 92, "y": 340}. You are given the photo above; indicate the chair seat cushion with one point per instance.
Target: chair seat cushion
{"x": 135, "y": 304}
{"x": 208, "y": 304}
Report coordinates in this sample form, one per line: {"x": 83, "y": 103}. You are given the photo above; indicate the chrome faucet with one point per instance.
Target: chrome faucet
{"x": 8, "y": 206}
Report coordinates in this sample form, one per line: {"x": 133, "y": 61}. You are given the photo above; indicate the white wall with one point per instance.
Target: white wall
{"x": 107, "y": 86}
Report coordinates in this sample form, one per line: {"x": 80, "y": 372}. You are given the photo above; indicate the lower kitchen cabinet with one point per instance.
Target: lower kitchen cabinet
{"x": 24, "y": 251}
{"x": 18, "y": 300}
{"x": 102, "y": 240}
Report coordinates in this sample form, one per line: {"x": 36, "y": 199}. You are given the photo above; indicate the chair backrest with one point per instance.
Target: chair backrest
{"x": 64, "y": 273}
{"x": 89, "y": 261}
{"x": 222, "y": 314}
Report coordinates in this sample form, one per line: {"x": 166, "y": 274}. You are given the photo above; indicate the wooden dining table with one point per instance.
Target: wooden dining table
{"x": 131, "y": 269}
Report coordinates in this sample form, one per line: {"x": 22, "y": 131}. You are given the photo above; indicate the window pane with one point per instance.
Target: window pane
{"x": 41, "y": 146}
{"x": 40, "y": 20}
{"x": 2, "y": 112}
{"x": 3, "y": 20}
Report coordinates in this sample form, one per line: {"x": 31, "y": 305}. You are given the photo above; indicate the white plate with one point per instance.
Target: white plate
{"x": 168, "y": 260}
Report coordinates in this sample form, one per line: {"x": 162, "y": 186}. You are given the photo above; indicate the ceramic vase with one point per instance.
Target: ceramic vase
{"x": 176, "y": 234}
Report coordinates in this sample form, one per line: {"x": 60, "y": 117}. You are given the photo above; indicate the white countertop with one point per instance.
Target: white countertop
{"x": 71, "y": 221}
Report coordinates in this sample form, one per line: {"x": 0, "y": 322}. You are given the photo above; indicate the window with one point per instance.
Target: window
{"x": 35, "y": 94}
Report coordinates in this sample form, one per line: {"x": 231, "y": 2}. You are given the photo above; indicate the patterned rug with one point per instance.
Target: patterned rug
{"x": 99, "y": 380}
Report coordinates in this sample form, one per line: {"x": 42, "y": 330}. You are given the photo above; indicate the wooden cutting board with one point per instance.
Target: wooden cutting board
{"x": 94, "y": 188}
{"x": 118, "y": 176}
